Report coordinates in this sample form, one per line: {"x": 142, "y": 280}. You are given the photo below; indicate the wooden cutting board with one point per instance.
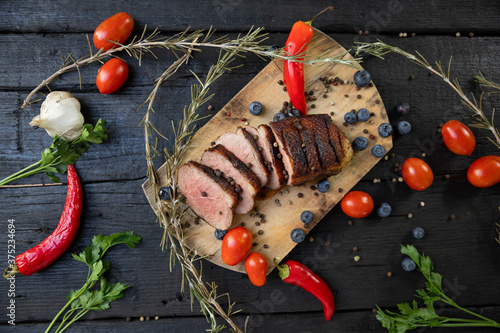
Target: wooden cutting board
{"x": 271, "y": 234}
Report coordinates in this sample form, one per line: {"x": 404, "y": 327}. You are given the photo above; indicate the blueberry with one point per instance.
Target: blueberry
{"x": 350, "y": 117}
{"x": 403, "y": 108}
{"x": 164, "y": 193}
{"x": 385, "y": 130}
{"x": 360, "y": 143}
{"x": 295, "y": 112}
{"x": 306, "y": 217}
{"x": 273, "y": 47}
{"x": 219, "y": 234}
{"x": 378, "y": 151}
{"x": 403, "y": 127}
{"x": 408, "y": 264}
{"x": 363, "y": 115}
{"x": 384, "y": 210}
{"x": 418, "y": 233}
{"x": 298, "y": 235}
{"x": 362, "y": 78}
{"x": 279, "y": 116}
{"x": 323, "y": 186}
{"x": 255, "y": 108}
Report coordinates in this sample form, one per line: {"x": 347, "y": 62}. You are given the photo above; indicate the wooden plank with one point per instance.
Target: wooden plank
{"x": 272, "y": 239}
{"x": 381, "y": 16}
{"x": 267, "y": 321}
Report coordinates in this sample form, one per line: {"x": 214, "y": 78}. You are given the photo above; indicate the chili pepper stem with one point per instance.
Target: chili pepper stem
{"x": 13, "y": 272}
{"x": 283, "y": 270}
{"x": 315, "y": 16}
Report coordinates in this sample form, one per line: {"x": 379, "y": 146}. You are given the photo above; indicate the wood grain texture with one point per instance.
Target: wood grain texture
{"x": 390, "y": 16}
{"x": 282, "y": 215}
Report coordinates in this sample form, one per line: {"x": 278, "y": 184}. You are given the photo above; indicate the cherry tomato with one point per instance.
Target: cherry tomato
{"x": 111, "y": 76}
{"x": 256, "y": 268}
{"x": 357, "y": 204}
{"x": 116, "y": 28}
{"x": 485, "y": 171}
{"x": 417, "y": 174}
{"x": 236, "y": 245}
{"x": 458, "y": 138}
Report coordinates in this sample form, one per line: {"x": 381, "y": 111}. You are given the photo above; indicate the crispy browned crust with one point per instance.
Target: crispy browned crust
{"x": 248, "y": 174}
{"x": 241, "y": 131}
{"x": 312, "y": 142}
{"x": 221, "y": 181}
{"x": 267, "y": 134}
{"x": 327, "y": 156}
{"x": 340, "y": 143}
{"x": 309, "y": 146}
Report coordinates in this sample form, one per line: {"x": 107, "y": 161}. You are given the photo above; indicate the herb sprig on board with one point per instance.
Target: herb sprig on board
{"x": 86, "y": 299}
{"x": 411, "y": 316}
{"x": 56, "y": 158}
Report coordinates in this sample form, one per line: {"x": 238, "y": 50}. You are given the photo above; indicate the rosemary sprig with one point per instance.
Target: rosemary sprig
{"x": 487, "y": 84}
{"x": 187, "y": 41}
{"x": 379, "y": 49}
{"x": 172, "y": 213}
{"x": 412, "y": 316}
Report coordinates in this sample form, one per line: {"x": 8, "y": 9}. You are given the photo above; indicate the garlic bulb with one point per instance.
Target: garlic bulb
{"x": 60, "y": 115}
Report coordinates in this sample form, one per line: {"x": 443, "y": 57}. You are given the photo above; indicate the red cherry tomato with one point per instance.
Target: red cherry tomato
{"x": 116, "y": 28}
{"x": 417, "y": 174}
{"x": 458, "y": 138}
{"x": 236, "y": 245}
{"x": 485, "y": 171}
{"x": 111, "y": 76}
{"x": 256, "y": 268}
{"x": 357, "y": 204}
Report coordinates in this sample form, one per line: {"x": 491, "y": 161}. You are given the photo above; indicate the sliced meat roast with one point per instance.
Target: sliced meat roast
{"x": 210, "y": 197}
{"x": 244, "y": 147}
{"x": 237, "y": 173}
{"x": 311, "y": 146}
{"x": 268, "y": 147}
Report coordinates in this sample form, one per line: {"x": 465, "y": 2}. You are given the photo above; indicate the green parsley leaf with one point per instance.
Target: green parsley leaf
{"x": 412, "y": 316}
{"x": 56, "y": 158}
{"x": 88, "y": 298}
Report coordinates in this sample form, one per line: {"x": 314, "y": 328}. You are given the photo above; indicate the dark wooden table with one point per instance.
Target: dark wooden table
{"x": 33, "y": 37}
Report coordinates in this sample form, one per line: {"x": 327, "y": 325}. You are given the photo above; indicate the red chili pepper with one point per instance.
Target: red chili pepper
{"x": 293, "y": 72}
{"x": 295, "y": 273}
{"x": 45, "y": 253}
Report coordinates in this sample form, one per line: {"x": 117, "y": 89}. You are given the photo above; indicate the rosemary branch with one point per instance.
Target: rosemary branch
{"x": 172, "y": 213}
{"x": 379, "y": 49}
{"x": 186, "y": 41}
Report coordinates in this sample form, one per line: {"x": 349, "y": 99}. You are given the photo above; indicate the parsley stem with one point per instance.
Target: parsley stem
{"x": 17, "y": 174}
{"x": 75, "y": 296}
{"x": 449, "y": 301}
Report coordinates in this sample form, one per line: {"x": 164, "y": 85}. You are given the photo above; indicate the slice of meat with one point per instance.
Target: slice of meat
{"x": 269, "y": 149}
{"x": 210, "y": 197}
{"x": 322, "y": 145}
{"x": 325, "y": 151}
{"x": 244, "y": 147}
{"x": 246, "y": 182}
{"x": 340, "y": 143}
{"x": 290, "y": 145}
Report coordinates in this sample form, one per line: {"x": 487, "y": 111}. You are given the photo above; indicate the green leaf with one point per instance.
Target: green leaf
{"x": 97, "y": 269}
{"x": 437, "y": 279}
{"x": 116, "y": 291}
{"x": 52, "y": 177}
{"x": 47, "y": 156}
{"x": 128, "y": 238}
{"x": 104, "y": 285}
